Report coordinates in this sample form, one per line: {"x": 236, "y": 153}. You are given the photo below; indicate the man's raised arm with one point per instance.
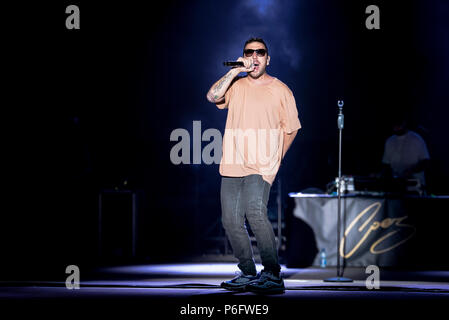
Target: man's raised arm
{"x": 217, "y": 92}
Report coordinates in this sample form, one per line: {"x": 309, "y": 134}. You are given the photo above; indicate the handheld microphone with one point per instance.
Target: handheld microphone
{"x": 233, "y": 63}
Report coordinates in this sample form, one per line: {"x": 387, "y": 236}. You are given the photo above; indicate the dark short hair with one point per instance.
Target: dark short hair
{"x": 399, "y": 118}
{"x": 250, "y": 40}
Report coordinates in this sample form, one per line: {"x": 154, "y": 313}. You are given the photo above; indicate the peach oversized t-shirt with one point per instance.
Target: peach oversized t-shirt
{"x": 258, "y": 115}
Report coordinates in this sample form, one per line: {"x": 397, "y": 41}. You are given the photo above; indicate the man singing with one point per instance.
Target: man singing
{"x": 261, "y": 124}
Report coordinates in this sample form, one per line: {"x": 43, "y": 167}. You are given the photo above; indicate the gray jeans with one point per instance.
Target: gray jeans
{"x": 248, "y": 197}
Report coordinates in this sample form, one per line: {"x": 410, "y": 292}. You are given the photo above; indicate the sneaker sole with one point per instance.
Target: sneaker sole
{"x": 272, "y": 290}
{"x": 234, "y": 288}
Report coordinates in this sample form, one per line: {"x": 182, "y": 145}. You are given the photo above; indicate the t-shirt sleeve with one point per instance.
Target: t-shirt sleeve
{"x": 423, "y": 153}
{"x": 289, "y": 113}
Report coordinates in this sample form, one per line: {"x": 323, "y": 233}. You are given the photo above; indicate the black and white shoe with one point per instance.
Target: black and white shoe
{"x": 239, "y": 283}
{"x": 267, "y": 283}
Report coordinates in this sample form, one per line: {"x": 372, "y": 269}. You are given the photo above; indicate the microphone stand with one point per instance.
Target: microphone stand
{"x": 339, "y": 277}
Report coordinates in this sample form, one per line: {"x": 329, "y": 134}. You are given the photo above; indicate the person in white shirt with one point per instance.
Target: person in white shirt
{"x": 405, "y": 154}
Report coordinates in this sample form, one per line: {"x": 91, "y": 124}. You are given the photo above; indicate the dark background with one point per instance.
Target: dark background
{"x": 85, "y": 110}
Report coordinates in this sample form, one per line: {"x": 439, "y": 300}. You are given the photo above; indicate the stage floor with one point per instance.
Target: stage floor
{"x": 181, "y": 287}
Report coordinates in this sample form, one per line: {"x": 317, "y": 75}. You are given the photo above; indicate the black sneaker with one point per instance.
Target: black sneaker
{"x": 267, "y": 283}
{"x": 239, "y": 283}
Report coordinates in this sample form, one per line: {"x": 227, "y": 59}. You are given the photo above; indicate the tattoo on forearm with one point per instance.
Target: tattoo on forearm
{"x": 213, "y": 94}
{"x": 222, "y": 82}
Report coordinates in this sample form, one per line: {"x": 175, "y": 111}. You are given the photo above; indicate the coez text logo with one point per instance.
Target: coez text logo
{"x": 397, "y": 232}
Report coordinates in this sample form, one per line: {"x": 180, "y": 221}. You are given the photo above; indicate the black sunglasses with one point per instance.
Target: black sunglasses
{"x": 259, "y": 52}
